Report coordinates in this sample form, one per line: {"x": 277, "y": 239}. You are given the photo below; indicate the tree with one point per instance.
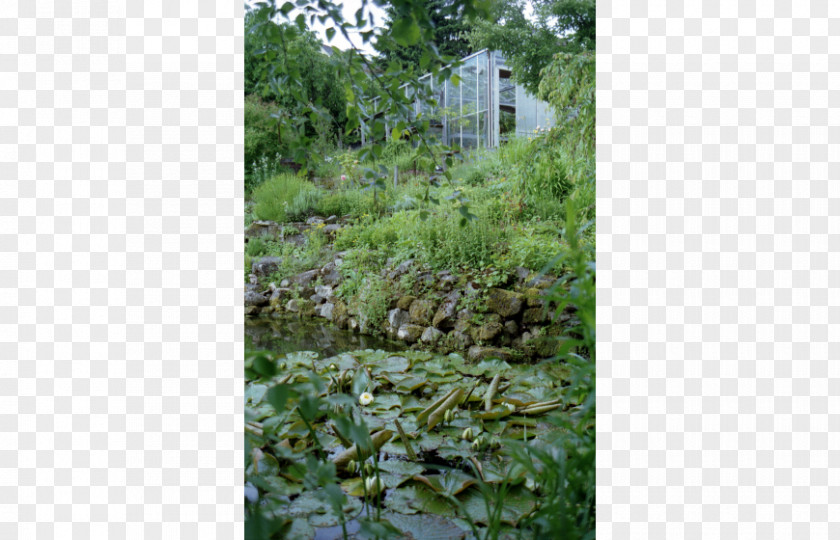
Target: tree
{"x": 274, "y": 50}
{"x": 448, "y": 32}
{"x": 529, "y": 44}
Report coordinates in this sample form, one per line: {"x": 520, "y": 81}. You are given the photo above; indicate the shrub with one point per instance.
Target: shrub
{"x": 284, "y": 197}
{"x": 343, "y": 202}
{"x": 261, "y": 140}
{"x": 372, "y": 303}
{"x": 256, "y": 247}
{"x": 533, "y": 250}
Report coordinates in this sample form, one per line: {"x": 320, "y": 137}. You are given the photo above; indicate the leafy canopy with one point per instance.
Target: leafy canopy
{"x": 529, "y": 44}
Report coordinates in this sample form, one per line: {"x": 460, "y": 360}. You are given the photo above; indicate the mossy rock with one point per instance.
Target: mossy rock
{"x": 404, "y": 303}
{"x": 487, "y": 332}
{"x": 505, "y": 303}
{"x": 534, "y": 315}
{"x": 534, "y": 297}
{"x": 410, "y": 332}
{"x": 422, "y": 312}
{"x": 478, "y": 352}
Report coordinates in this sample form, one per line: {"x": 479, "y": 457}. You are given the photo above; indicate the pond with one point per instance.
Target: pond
{"x": 441, "y": 427}
{"x": 287, "y": 335}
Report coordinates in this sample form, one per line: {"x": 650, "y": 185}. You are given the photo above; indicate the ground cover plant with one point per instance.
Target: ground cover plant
{"x": 407, "y": 443}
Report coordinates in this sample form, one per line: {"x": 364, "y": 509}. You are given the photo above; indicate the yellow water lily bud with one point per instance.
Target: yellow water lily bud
{"x": 467, "y": 435}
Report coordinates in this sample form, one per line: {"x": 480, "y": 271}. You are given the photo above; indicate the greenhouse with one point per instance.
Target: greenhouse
{"x": 485, "y": 108}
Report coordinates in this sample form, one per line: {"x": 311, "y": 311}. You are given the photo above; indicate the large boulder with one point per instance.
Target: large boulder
{"x": 422, "y": 311}
{"x": 505, "y": 303}
{"x": 253, "y": 298}
{"x": 488, "y": 331}
{"x": 446, "y": 281}
{"x": 445, "y": 316}
{"x": 511, "y": 328}
{"x": 410, "y": 332}
{"x": 330, "y": 230}
{"x": 463, "y": 325}
{"x": 534, "y": 315}
{"x": 263, "y": 228}
{"x": 405, "y": 302}
{"x": 327, "y": 311}
{"x": 265, "y": 266}
{"x": 324, "y": 291}
{"x": 404, "y": 267}
{"x": 459, "y": 340}
{"x": 278, "y": 298}
{"x": 305, "y": 278}
{"x": 397, "y": 318}
{"x": 302, "y": 307}
{"x": 431, "y": 335}
{"x": 534, "y": 297}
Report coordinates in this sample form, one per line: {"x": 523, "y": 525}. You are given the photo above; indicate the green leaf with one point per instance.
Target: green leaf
{"x": 330, "y": 33}
{"x": 406, "y": 31}
{"x": 265, "y": 365}
{"x": 286, "y": 8}
{"x": 278, "y": 395}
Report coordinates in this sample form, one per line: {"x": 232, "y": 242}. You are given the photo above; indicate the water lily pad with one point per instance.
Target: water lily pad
{"x": 394, "y": 363}
{"x": 341, "y": 362}
{"x": 518, "y": 503}
{"x": 414, "y": 498}
{"x": 307, "y": 503}
{"x": 266, "y": 466}
{"x": 455, "y": 449}
{"x": 429, "y": 441}
{"x": 410, "y": 384}
{"x": 399, "y": 467}
{"x": 453, "y": 377}
{"x": 450, "y": 482}
{"x": 488, "y": 367}
{"x": 425, "y": 526}
{"x": 361, "y": 383}
{"x": 329, "y": 519}
{"x": 383, "y": 402}
{"x": 499, "y": 411}
{"x": 410, "y": 403}
{"x": 254, "y": 393}
{"x": 301, "y": 529}
{"x": 281, "y": 487}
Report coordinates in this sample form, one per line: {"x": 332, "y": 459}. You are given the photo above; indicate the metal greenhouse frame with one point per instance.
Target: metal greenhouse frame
{"x": 485, "y": 108}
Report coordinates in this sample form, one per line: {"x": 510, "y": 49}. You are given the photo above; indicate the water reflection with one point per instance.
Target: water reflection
{"x": 289, "y": 335}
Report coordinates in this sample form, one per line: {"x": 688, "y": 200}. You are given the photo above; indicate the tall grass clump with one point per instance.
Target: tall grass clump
{"x": 285, "y": 197}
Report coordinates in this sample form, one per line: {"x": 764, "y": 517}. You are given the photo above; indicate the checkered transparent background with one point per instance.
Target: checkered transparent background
{"x": 120, "y": 272}
{"x": 718, "y": 273}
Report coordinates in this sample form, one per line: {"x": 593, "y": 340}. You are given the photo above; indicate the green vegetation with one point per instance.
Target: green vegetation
{"x": 530, "y": 43}
{"x": 507, "y": 447}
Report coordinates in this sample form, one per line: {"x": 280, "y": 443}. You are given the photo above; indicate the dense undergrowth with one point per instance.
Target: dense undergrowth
{"x": 517, "y": 219}
{"x": 314, "y": 445}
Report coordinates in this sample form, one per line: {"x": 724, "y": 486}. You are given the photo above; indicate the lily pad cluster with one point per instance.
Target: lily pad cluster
{"x": 419, "y": 450}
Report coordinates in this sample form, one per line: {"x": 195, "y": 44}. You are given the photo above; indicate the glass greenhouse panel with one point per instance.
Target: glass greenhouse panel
{"x": 484, "y": 109}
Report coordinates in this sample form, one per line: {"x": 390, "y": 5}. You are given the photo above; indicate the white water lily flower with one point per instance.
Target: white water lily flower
{"x": 373, "y": 485}
{"x": 366, "y": 398}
